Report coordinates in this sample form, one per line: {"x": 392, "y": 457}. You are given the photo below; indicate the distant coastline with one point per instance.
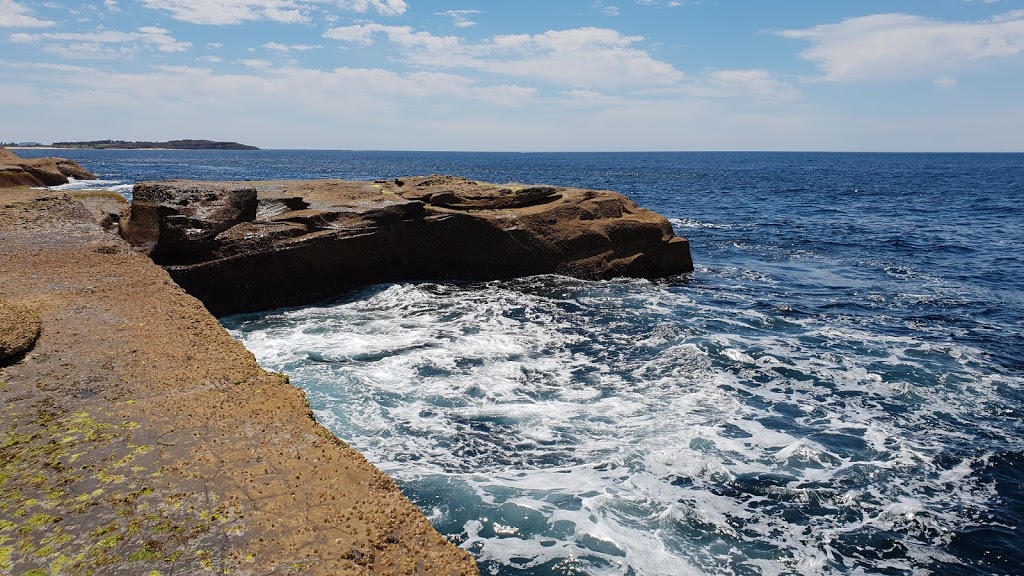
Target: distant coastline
{"x": 126, "y": 145}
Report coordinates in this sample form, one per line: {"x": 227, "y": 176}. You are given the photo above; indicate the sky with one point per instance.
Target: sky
{"x": 523, "y": 75}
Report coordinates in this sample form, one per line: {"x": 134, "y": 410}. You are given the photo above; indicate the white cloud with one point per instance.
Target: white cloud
{"x": 402, "y": 35}
{"x": 14, "y": 15}
{"x": 384, "y": 7}
{"x": 945, "y": 82}
{"x": 459, "y": 17}
{"x": 278, "y": 47}
{"x": 284, "y": 11}
{"x": 584, "y": 58}
{"x": 105, "y": 44}
{"x": 112, "y": 5}
{"x": 894, "y": 46}
{"x": 229, "y": 11}
{"x": 742, "y": 84}
{"x": 256, "y": 63}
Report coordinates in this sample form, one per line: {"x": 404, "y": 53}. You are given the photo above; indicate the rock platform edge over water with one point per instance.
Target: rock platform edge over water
{"x": 248, "y": 246}
{"x": 138, "y": 437}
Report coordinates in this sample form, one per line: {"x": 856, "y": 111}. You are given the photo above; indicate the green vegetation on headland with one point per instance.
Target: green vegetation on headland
{"x": 171, "y": 145}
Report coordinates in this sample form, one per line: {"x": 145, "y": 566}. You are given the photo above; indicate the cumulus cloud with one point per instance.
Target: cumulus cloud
{"x": 384, "y": 7}
{"x": 460, "y": 17}
{"x": 105, "y": 44}
{"x": 285, "y": 11}
{"x": 584, "y": 58}
{"x": 742, "y": 84}
{"x": 14, "y": 15}
{"x": 278, "y": 47}
{"x": 894, "y": 46}
{"x": 402, "y": 35}
{"x": 230, "y": 11}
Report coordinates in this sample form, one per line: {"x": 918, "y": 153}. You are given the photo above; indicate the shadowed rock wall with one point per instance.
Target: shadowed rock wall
{"x": 246, "y": 246}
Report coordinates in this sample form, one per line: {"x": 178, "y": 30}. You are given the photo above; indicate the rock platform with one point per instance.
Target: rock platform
{"x": 247, "y": 246}
{"x": 138, "y": 437}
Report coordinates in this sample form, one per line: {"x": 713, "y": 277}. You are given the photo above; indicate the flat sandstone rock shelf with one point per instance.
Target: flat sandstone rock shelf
{"x": 246, "y": 246}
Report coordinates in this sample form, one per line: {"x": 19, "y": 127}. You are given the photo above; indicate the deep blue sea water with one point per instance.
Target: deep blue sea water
{"x": 838, "y": 388}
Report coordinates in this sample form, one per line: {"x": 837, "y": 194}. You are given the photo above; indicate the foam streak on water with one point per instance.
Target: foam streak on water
{"x": 552, "y": 425}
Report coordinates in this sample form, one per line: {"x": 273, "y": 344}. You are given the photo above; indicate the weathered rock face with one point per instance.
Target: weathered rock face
{"x": 178, "y": 218}
{"x": 17, "y": 172}
{"x": 12, "y": 176}
{"x": 19, "y": 330}
{"x": 107, "y": 208}
{"x": 259, "y": 245}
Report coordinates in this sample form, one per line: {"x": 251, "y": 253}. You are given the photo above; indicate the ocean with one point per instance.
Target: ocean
{"x": 838, "y": 388}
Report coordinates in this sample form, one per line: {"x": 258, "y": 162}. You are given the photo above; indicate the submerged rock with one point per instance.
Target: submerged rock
{"x": 249, "y": 246}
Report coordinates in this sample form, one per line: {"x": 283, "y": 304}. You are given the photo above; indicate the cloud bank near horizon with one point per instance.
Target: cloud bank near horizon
{"x": 394, "y": 74}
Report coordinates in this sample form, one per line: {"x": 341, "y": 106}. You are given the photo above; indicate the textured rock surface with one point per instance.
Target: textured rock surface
{"x": 19, "y": 330}
{"x": 138, "y": 437}
{"x": 40, "y": 171}
{"x": 186, "y": 217}
{"x": 305, "y": 241}
{"x": 14, "y": 176}
{"x": 107, "y": 208}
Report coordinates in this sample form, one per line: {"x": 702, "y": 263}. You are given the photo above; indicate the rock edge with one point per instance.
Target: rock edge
{"x": 248, "y": 246}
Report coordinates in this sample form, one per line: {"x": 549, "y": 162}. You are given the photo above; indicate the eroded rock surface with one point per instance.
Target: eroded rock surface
{"x": 19, "y": 330}
{"x": 138, "y": 437}
{"x": 18, "y": 172}
{"x": 244, "y": 246}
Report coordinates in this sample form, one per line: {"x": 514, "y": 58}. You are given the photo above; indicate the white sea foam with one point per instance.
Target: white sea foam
{"x": 627, "y": 428}
{"x": 94, "y": 185}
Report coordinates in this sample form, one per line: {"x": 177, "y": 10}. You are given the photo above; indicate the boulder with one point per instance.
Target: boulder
{"x": 42, "y": 171}
{"x": 177, "y": 218}
{"x": 246, "y": 246}
{"x": 12, "y": 176}
{"x": 19, "y": 329}
{"x": 46, "y": 170}
{"x": 106, "y": 207}
{"x": 73, "y": 169}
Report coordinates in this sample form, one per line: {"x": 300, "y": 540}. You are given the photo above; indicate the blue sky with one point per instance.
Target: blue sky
{"x": 525, "y": 75}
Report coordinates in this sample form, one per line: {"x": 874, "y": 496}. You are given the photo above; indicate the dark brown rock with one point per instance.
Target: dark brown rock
{"x": 73, "y": 169}
{"x": 12, "y": 176}
{"x": 183, "y": 217}
{"x": 288, "y": 243}
{"x": 43, "y": 171}
{"x": 46, "y": 170}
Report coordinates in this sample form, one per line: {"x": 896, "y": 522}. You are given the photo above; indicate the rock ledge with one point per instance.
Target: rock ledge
{"x": 247, "y": 246}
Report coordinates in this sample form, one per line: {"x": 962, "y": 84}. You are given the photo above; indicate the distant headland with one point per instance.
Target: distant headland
{"x": 169, "y": 145}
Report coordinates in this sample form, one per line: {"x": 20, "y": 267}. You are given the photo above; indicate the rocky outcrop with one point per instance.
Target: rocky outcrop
{"x": 14, "y": 176}
{"x": 138, "y": 437}
{"x": 36, "y": 172}
{"x": 19, "y": 330}
{"x": 106, "y": 207}
{"x": 245, "y": 246}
